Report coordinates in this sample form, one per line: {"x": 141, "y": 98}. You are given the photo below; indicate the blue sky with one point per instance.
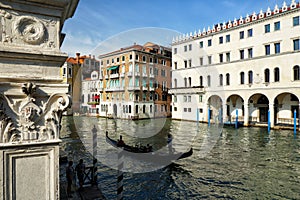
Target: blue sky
{"x": 97, "y": 24}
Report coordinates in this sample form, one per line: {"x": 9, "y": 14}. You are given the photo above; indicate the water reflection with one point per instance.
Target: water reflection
{"x": 247, "y": 163}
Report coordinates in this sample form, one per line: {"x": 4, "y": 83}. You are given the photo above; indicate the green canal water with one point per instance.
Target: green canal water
{"x": 227, "y": 163}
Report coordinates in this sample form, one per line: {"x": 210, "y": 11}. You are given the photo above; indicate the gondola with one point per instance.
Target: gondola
{"x": 144, "y": 154}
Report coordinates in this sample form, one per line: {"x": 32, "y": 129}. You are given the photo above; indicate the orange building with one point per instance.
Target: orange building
{"x": 134, "y": 82}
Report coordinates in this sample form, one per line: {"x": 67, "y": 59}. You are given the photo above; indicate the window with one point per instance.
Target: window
{"x": 185, "y": 48}
{"x": 201, "y": 44}
{"x": 175, "y": 50}
{"x": 175, "y": 65}
{"x": 296, "y": 21}
{"x": 250, "y": 77}
{"x": 144, "y": 58}
{"x": 190, "y": 47}
{"x": 130, "y": 57}
{"x": 276, "y": 75}
{"x": 185, "y": 110}
{"x": 227, "y": 79}
{"x": 221, "y": 57}
{"x": 190, "y": 63}
{"x": 277, "y": 48}
{"x": 296, "y": 73}
{"x": 189, "y": 110}
{"x": 242, "y": 78}
{"x": 200, "y": 98}
{"x": 242, "y": 54}
{"x": 175, "y": 83}
{"x": 267, "y": 49}
{"x": 250, "y": 53}
{"x": 136, "y": 57}
{"x": 185, "y": 64}
{"x": 228, "y": 57}
{"x": 250, "y": 32}
{"x": 208, "y": 81}
{"x": 221, "y": 40}
{"x": 276, "y": 26}
{"x": 189, "y": 99}
{"x": 296, "y": 44}
{"x": 209, "y": 60}
{"x": 175, "y": 99}
{"x": 227, "y": 38}
{"x": 241, "y": 34}
{"x": 201, "y": 81}
{"x": 221, "y": 79}
{"x": 184, "y": 98}
{"x": 267, "y": 28}
{"x": 267, "y": 75}
{"x": 209, "y": 42}
{"x": 123, "y": 58}
{"x": 151, "y": 60}
{"x": 201, "y": 61}
{"x": 185, "y": 82}
{"x": 190, "y": 81}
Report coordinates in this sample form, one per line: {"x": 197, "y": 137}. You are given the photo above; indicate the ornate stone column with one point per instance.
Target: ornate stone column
{"x": 32, "y": 96}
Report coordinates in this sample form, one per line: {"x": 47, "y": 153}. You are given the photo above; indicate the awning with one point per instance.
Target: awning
{"x": 113, "y": 67}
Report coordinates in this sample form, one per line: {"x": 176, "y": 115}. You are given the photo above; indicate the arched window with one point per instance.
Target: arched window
{"x": 175, "y": 83}
{"x": 190, "y": 81}
{"x": 267, "y": 75}
{"x": 208, "y": 81}
{"x": 201, "y": 80}
{"x": 242, "y": 78}
{"x": 227, "y": 79}
{"x": 276, "y": 75}
{"x": 296, "y": 73}
{"x": 221, "y": 79}
{"x": 250, "y": 77}
{"x": 137, "y": 109}
{"x": 185, "y": 82}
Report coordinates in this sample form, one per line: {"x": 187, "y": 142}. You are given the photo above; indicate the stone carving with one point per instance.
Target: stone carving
{"x": 26, "y": 121}
{"x": 30, "y": 29}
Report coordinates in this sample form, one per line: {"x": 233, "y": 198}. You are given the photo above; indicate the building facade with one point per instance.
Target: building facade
{"x": 134, "y": 82}
{"x": 248, "y": 68}
{"x": 77, "y": 71}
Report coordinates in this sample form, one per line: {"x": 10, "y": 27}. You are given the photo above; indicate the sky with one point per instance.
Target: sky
{"x": 101, "y": 26}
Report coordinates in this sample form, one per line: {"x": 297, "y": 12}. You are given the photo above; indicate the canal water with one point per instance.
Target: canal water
{"x": 227, "y": 163}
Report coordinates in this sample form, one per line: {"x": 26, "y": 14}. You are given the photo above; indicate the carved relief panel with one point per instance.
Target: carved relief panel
{"x": 22, "y": 29}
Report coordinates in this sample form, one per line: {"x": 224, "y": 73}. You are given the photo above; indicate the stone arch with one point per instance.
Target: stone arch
{"x": 258, "y": 108}
{"x": 284, "y": 106}
{"x": 234, "y": 104}
{"x": 214, "y": 107}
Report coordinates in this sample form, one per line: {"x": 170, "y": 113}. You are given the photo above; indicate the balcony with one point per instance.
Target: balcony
{"x": 106, "y": 76}
{"x": 122, "y": 75}
{"x": 187, "y": 90}
{"x": 145, "y": 88}
{"x": 151, "y": 76}
{"x": 114, "y": 89}
{"x": 145, "y": 75}
{"x": 137, "y": 74}
{"x": 151, "y": 89}
{"x": 114, "y": 76}
{"x": 129, "y": 74}
{"x": 131, "y": 88}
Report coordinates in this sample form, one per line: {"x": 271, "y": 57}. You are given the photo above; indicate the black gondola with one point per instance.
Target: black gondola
{"x": 150, "y": 156}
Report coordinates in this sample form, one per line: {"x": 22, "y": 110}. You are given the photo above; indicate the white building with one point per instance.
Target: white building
{"x": 245, "y": 67}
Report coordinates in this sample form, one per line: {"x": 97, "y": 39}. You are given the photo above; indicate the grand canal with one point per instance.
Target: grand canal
{"x": 244, "y": 163}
